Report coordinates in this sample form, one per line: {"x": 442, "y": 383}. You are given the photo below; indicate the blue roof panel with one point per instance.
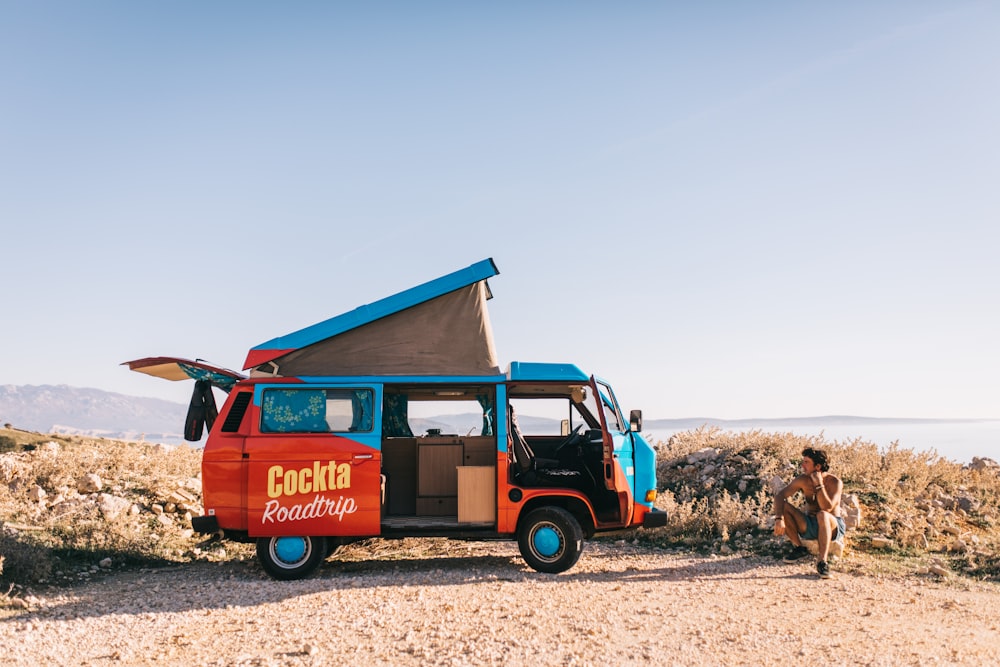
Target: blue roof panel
{"x": 521, "y": 371}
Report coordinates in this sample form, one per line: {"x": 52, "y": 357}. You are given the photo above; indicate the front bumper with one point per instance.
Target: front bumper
{"x": 654, "y": 519}
{"x": 205, "y": 524}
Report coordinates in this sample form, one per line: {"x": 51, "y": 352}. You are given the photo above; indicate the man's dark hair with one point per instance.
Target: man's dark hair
{"x": 819, "y": 457}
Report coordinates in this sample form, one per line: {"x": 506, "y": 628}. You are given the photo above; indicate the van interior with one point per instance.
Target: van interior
{"x": 440, "y": 454}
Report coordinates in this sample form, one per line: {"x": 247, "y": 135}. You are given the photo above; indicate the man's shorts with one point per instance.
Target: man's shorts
{"x": 812, "y": 528}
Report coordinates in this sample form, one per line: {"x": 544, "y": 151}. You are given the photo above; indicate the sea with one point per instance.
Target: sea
{"x": 955, "y": 440}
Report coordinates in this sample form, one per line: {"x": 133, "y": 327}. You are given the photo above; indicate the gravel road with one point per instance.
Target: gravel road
{"x": 478, "y": 604}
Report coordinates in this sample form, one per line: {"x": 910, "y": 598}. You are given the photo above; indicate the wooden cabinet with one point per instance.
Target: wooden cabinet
{"x": 479, "y": 452}
{"x": 423, "y": 477}
{"x": 437, "y": 506}
{"x": 436, "y": 465}
{"x": 477, "y": 496}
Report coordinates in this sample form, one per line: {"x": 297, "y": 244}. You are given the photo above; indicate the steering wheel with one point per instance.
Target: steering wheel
{"x": 570, "y": 439}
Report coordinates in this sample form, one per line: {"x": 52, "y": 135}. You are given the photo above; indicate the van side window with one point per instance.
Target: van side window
{"x": 316, "y": 410}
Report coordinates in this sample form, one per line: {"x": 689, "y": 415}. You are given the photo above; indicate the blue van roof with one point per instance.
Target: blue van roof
{"x": 366, "y": 314}
{"x": 521, "y": 371}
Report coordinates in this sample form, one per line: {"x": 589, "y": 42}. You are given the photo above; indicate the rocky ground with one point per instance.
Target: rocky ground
{"x": 430, "y": 602}
{"x": 83, "y": 521}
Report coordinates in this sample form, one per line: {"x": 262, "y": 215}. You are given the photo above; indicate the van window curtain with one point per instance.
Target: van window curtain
{"x": 394, "y": 416}
{"x": 489, "y": 413}
{"x": 294, "y": 411}
{"x": 361, "y": 410}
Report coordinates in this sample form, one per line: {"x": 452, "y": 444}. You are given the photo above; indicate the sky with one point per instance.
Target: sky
{"x": 726, "y": 209}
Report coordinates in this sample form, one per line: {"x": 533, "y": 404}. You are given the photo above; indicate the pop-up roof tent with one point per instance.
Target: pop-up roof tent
{"x": 441, "y": 327}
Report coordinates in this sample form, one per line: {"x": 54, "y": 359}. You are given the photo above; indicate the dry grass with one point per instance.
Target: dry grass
{"x": 67, "y": 533}
{"x": 931, "y": 508}
{"x": 914, "y": 499}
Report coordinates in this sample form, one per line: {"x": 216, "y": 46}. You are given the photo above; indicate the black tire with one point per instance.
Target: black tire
{"x": 550, "y": 539}
{"x": 288, "y": 558}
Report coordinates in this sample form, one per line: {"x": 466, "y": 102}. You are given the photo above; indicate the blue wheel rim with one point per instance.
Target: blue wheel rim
{"x": 290, "y": 550}
{"x": 547, "y": 541}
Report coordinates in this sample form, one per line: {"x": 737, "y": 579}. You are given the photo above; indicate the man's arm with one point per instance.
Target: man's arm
{"x": 828, "y": 491}
{"x": 800, "y": 483}
{"x": 796, "y": 485}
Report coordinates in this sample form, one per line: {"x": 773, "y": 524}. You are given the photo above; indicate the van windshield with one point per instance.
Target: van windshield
{"x": 556, "y": 414}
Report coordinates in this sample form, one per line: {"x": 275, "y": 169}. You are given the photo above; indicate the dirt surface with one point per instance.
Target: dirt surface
{"x": 478, "y": 604}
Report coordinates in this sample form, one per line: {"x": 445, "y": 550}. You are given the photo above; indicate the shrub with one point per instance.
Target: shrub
{"x": 67, "y": 530}
{"x": 8, "y": 444}
{"x": 716, "y": 487}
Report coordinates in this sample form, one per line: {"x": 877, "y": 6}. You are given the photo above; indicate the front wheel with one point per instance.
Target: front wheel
{"x": 550, "y": 539}
{"x": 288, "y": 558}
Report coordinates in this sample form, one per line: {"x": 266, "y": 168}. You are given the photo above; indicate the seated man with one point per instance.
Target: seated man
{"x": 820, "y": 518}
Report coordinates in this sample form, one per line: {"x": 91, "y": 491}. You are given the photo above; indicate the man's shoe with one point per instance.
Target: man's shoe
{"x": 823, "y": 569}
{"x": 797, "y": 554}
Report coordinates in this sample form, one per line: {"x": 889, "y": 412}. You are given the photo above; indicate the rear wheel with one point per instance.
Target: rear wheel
{"x": 289, "y": 558}
{"x": 550, "y": 539}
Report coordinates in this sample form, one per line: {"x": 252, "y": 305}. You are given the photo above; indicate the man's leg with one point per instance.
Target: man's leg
{"x": 826, "y": 527}
{"x": 795, "y": 524}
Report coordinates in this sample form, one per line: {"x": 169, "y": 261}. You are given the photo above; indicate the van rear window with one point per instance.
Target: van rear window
{"x": 315, "y": 410}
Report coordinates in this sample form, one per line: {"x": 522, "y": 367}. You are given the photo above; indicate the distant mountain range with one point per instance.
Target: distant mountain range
{"x": 73, "y": 410}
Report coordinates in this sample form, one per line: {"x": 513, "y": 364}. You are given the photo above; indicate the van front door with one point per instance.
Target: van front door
{"x": 622, "y": 468}
{"x": 313, "y": 460}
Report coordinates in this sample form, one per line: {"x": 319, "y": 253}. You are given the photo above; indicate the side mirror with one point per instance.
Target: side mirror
{"x": 635, "y": 421}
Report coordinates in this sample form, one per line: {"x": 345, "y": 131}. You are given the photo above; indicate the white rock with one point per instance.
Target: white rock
{"x": 983, "y": 463}
{"x": 36, "y": 493}
{"x": 703, "y": 454}
{"x": 105, "y": 563}
{"x": 776, "y": 484}
{"x": 89, "y": 483}
{"x": 111, "y": 506}
{"x": 10, "y": 468}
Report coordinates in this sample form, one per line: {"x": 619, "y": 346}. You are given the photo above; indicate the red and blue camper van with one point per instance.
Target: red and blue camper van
{"x": 394, "y": 420}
